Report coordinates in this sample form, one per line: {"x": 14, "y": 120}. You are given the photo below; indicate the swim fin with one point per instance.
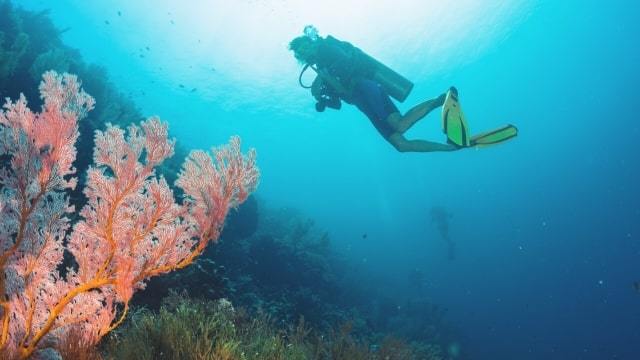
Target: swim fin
{"x": 495, "y": 136}
{"x": 455, "y": 126}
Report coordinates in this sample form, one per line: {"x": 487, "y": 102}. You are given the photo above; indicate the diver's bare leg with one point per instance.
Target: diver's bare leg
{"x": 403, "y": 123}
{"x": 403, "y": 145}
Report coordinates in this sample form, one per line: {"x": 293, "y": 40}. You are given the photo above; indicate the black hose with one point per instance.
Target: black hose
{"x": 302, "y": 73}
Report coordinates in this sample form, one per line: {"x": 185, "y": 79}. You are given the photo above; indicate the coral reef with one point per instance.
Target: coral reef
{"x": 30, "y": 45}
{"x": 289, "y": 271}
{"x": 275, "y": 263}
{"x": 242, "y": 222}
{"x": 287, "y": 268}
{"x": 14, "y": 42}
{"x": 188, "y": 329}
{"x": 130, "y": 230}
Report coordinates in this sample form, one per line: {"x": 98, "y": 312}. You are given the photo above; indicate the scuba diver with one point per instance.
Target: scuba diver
{"x": 346, "y": 73}
{"x": 441, "y": 217}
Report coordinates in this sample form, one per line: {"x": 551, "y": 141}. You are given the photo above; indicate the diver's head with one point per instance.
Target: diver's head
{"x": 304, "y": 48}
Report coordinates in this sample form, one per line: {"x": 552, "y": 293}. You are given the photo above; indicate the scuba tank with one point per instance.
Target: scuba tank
{"x": 396, "y": 85}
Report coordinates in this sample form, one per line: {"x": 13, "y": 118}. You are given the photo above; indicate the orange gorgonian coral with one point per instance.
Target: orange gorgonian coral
{"x": 130, "y": 230}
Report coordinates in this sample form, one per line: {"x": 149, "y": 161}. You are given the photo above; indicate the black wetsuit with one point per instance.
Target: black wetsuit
{"x": 350, "y": 67}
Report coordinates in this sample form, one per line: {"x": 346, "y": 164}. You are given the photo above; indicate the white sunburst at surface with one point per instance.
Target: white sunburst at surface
{"x": 235, "y": 52}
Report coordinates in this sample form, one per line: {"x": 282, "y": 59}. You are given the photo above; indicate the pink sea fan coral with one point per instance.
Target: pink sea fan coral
{"x": 130, "y": 229}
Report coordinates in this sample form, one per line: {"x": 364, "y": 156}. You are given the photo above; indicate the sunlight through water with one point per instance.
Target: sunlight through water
{"x": 235, "y": 52}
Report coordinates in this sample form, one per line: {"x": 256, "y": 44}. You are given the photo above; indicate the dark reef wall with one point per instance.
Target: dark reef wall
{"x": 288, "y": 270}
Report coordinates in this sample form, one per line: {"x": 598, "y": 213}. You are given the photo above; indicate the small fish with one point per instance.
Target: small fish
{"x": 141, "y": 56}
{"x": 636, "y": 286}
{"x": 148, "y": 49}
{"x": 364, "y": 236}
{"x": 119, "y": 13}
{"x": 182, "y": 86}
{"x": 173, "y": 22}
{"x": 107, "y": 22}
{"x": 193, "y": 90}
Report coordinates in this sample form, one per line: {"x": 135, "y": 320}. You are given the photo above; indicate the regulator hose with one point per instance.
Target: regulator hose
{"x": 307, "y": 66}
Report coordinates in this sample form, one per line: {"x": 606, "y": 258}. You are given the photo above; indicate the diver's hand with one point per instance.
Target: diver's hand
{"x": 334, "y": 83}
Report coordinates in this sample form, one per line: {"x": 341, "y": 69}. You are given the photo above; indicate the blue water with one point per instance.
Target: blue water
{"x": 547, "y": 226}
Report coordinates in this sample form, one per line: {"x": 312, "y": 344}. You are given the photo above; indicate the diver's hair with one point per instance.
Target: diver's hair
{"x": 296, "y": 44}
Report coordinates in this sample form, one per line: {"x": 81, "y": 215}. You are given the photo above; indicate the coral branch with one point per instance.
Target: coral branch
{"x": 131, "y": 228}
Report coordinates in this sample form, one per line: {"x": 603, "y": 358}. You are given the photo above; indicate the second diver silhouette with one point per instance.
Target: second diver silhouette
{"x": 441, "y": 217}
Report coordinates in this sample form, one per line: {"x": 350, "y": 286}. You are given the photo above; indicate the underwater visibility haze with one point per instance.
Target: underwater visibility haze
{"x": 527, "y": 249}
